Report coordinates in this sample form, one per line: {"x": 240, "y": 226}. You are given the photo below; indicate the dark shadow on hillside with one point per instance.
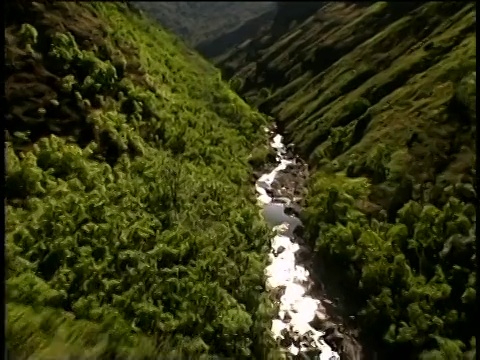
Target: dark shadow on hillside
{"x": 225, "y": 42}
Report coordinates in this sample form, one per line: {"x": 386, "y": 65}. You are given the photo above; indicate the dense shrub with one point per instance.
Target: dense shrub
{"x": 132, "y": 229}
{"x": 415, "y": 277}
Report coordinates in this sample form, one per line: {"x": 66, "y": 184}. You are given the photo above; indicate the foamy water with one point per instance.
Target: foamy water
{"x": 296, "y": 309}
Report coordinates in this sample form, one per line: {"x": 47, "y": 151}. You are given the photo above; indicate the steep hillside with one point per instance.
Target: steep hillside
{"x": 380, "y": 99}
{"x": 198, "y": 22}
{"x": 132, "y": 230}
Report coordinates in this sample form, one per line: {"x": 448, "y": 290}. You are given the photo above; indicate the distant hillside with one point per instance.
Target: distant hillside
{"x": 272, "y": 24}
{"x": 200, "y": 22}
{"x": 217, "y": 46}
{"x": 380, "y": 98}
{"x": 132, "y": 229}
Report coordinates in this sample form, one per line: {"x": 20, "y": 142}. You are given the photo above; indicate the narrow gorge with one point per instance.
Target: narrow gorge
{"x": 306, "y": 325}
{"x": 379, "y": 99}
{"x": 308, "y": 192}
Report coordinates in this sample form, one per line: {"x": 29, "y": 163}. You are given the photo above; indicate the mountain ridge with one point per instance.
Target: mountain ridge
{"x": 216, "y": 47}
{"x": 201, "y": 22}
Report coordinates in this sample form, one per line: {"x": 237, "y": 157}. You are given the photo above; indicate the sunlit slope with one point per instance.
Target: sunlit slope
{"x": 132, "y": 229}
{"x": 381, "y": 99}
{"x": 348, "y": 62}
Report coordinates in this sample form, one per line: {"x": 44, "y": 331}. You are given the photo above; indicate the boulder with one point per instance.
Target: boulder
{"x": 287, "y": 317}
{"x": 328, "y": 327}
{"x": 292, "y": 209}
{"x": 318, "y": 321}
{"x": 279, "y": 251}
{"x": 334, "y": 338}
{"x": 299, "y": 231}
{"x": 350, "y": 349}
{"x": 287, "y": 339}
{"x": 312, "y": 353}
{"x": 302, "y": 255}
{"x": 278, "y": 292}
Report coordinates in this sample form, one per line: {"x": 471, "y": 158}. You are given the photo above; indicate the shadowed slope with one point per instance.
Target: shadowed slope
{"x": 204, "y": 21}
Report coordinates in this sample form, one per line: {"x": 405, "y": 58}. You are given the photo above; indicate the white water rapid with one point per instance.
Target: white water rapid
{"x": 297, "y": 309}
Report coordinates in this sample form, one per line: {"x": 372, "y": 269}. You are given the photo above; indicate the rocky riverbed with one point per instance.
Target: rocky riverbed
{"x": 307, "y": 326}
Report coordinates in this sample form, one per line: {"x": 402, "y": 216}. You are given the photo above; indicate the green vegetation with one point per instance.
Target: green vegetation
{"x": 381, "y": 100}
{"x": 415, "y": 277}
{"x": 132, "y": 230}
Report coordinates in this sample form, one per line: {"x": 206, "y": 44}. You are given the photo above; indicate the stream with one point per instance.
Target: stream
{"x": 302, "y": 323}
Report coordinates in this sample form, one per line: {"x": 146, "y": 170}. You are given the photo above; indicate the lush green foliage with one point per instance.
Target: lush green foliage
{"x": 416, "y": 278}
{"x": 132, "y": 229}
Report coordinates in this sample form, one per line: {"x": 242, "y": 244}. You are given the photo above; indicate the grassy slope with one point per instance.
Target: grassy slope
{"x": 199, "y": 22}
{"x": 132, "y": 229}
{"x": 381, "y": 100}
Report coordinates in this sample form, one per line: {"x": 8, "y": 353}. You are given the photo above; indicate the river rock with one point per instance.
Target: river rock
{"x": 318, "y": 321}
{"x": 294, "y": 350}
{"x": 299, "y": 231}
{"x": 278, "y": 292}
{"x": 312, "y": 353}
{"x": 292, "y": 209}
{"x": 287, "y": 339}
{"x": 331, "y": 305}
{"x": 302, "y": 255}
{"x": 258, "y": 173}
{"x": 263, "y": 185}
{"x": 297, "y": 192}
{"x": 283, "y": 200}
{"x": 334, "y": 339}
{"x": 279, "y": 250}
{"x": 298, "y": 240}
{"x": 349, "y": 349}
{"x": 327, "y": 326}
{"x": 287, "y": 317}
{"x": 276, "y": 183}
